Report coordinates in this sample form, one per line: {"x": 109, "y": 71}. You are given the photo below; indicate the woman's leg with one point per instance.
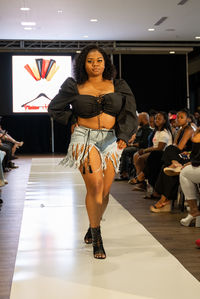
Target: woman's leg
{"x": 94, "y": 201}
{"x": 140, "y": 161}
{"x": 167, "y": 185}
{"x": 109, "y": 174}
{"x": 12, "y": 140}
{"x": 15, "y": 146}
{"x": 108, "y": 177}
{"x": 163, "y": 205}
{"x": 138, "y": 179}
{"x": 94, "y": 187}
{"x": 153, "y": 167}
{"x": 135, "y": 159}
{"x": 98, "y": 186}
{"x": 126, "y": 161}
{"x": 189, "y": 178}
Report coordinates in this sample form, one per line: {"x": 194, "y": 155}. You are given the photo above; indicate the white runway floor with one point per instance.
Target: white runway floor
{"x": 54, "y": 263}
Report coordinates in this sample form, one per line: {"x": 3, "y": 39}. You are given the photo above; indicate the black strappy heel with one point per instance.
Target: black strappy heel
{"x": 98, "y": 250}
{"x": 88, "y": 237}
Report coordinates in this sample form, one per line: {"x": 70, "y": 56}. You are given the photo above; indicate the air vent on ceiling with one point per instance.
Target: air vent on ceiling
{"x": 182, "y": 2}
{"x": 160, "y": 21}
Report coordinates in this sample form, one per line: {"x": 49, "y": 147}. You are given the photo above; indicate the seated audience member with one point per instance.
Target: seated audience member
{"x": 153, "y": 130}
{"x": 152, "y": 114}
{"x": 7, "y": 164}
{"x": 167, "y": 186}
{"x": 7, "y": 139}
{"x": 9, "y": 146}
{"x": 139, "y": 140}
{"x": 182, "y": 141}
{"x": 154, "y": 161}
{"x": 162, "y": 138}
{"x": 152, "y": 121}
{"x": 153, "y": 167}
{"x": 190, "y": 180}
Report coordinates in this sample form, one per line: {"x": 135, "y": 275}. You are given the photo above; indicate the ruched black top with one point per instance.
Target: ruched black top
{"x": 68, "y": 104}
{"x": 188, "y": 145}
{"x": 110, "y": 103}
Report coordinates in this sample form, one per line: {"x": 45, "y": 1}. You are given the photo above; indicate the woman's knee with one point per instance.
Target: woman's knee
{"x": 183, "y": 180}
{"x": 95, "y": 187}
{"x": 135, "y": 157}
{"x": 187, "y": 186}
{"x": 140, "y": 161}
{"x": 186, "y": 172}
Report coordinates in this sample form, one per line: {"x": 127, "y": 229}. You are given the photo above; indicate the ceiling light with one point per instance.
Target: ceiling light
{"x": 93, "y": 20}
{"x": 28, "y": 23}
{"x": 28, "y": 28}
{"x": 78, "y": 51}
{"x": 151, "y": 29}
{"x": 85, "y": 36}
{"x": 197, "y": 37}
{"x": 24, "y": 8}
{"x": 172, "y": 52}
{"x": 60, "y": 11}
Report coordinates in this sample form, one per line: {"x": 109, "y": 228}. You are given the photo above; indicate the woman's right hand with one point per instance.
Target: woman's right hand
{"x": 121, "y": 144}
{"x": 73, "y": 127}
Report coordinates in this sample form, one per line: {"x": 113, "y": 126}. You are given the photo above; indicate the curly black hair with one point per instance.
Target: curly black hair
{"x": 166, "y": 125}
{"x": 79, "y": 71}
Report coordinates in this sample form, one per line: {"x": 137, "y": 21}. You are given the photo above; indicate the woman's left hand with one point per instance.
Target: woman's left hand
{"x": 121, "y": 144}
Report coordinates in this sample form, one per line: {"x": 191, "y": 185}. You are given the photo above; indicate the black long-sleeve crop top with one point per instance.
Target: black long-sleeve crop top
{"x": 69, "y": 104}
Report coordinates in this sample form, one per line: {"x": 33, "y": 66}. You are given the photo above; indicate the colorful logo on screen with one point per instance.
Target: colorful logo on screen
{"x": 42, "y": 69}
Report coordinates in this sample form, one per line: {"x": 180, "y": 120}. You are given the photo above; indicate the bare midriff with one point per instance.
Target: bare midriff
{"x": 101, "y": 121}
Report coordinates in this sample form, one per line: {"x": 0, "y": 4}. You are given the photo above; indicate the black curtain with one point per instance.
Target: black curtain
{"x": 194, "y": 83}
{"x": 157, "y": 81}
{"x": 35, "y": 131}
{"x": 5, "y": 84}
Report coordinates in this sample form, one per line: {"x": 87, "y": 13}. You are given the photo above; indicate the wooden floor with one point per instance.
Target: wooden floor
{"x": 165, "y": 228}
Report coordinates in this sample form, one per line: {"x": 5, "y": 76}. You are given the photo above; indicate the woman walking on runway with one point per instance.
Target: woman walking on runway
{"x": 102, "y": 112}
